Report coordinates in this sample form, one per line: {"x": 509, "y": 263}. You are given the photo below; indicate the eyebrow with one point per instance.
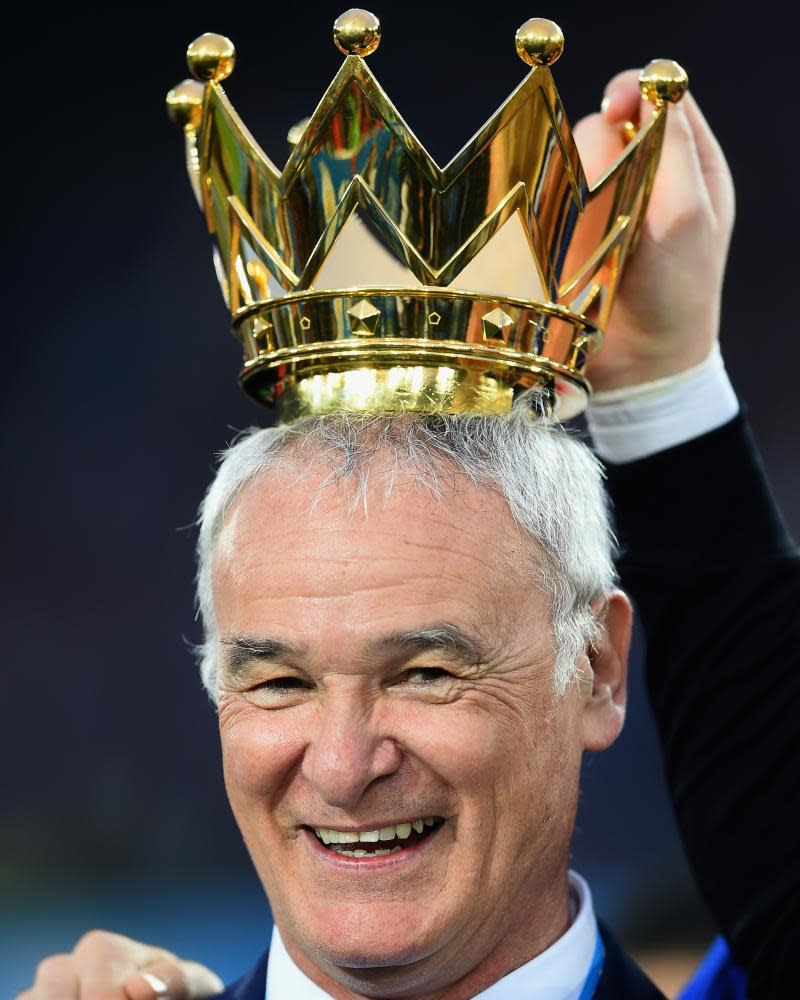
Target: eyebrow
{"x": 444, "y": 637}
{"x": 240, "y": 650}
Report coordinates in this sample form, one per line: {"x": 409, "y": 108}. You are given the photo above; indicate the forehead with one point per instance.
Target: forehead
{"x": 348, "y": 545}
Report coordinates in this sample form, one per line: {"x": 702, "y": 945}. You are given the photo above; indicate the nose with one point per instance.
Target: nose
{"x": 348, "y": 750}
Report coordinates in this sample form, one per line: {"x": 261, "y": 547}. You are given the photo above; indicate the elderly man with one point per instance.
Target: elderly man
{"x": 412, "y": 636}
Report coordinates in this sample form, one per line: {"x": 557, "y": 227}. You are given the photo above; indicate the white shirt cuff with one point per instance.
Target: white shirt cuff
{"x": 639, "y": 420}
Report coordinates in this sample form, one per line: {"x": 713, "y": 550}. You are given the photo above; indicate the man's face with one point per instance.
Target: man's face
{"x": 386, "y": 667}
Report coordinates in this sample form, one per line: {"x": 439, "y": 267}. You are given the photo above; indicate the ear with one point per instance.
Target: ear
{"x": 604, "y": 706}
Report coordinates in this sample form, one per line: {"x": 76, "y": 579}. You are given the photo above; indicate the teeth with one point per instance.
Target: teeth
{"x": 400, "y": 831}
{"x": 367, "y": 854}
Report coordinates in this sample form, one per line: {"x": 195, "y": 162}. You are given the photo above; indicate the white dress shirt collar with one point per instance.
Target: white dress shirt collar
{"x": 558, "y": 973}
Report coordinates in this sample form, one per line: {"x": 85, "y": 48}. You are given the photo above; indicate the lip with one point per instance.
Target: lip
{"x": 384, "y": 862}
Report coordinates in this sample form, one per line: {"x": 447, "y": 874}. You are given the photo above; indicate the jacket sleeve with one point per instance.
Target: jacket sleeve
{"x": 716, "y": 581}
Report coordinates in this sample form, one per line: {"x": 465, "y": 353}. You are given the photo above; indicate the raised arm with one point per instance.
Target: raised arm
{"x": 705, "y": 555}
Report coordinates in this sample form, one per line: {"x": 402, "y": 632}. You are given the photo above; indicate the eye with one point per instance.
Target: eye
{"x": 279, "y": 684}
{"x": 426, "y": 675}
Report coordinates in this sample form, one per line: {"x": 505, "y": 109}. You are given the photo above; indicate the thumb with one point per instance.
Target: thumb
{"x": 172, "y": 979}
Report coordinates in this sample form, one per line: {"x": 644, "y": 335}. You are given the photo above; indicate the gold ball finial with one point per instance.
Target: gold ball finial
{"x": 211, "y": 58}
{"x": 539, "y": 42}
{"x": 663, "y": 80}
{"x": 185, "y": 104}
{"x": 357, "y": 32}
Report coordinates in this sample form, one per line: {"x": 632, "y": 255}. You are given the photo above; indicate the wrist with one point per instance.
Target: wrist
{"x": 631, "y": 422}
{"x": 609, "y": 372}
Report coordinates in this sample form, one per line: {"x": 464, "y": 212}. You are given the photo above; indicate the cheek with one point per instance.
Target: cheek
{"x": 545, "y": 794}
{"x": 520, "y": 776}
{"x": 259, "y": 750}
{"x": 470, "y": 751}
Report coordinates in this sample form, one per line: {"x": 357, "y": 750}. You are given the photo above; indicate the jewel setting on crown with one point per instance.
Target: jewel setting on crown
{"x": 363, "y": 276}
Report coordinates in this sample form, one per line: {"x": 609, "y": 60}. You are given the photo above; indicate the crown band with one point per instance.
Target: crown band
{"x": 506, "y": 346}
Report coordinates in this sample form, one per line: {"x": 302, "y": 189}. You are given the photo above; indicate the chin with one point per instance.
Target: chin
{"x": 375, "y": 937}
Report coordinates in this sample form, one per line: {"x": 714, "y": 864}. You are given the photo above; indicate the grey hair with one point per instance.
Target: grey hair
{"x": 551, "y": 482}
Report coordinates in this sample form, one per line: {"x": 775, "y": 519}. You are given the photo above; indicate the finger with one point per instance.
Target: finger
{"x": 622, "y": 98}
{"x": 148, "y": 985}
{"x": 104, "y": 959}
{"x": 712, "y": 160}
{"x": 56, "y": 979}
{"x": 680, "y": 180}
{"x": 679, "y": 186}
{"x": 25, "y": 995}
{"x": 599, "y": 144}
{"x": 622, "y": 102}
{"x": 175, "y": 979}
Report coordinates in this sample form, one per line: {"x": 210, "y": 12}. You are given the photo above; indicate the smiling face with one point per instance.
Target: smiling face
{"x": 386, "y": 684}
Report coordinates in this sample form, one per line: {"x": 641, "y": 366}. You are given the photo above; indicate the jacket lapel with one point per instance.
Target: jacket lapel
{"x": 251, "y": 986}
{"x": 621, "y": 978}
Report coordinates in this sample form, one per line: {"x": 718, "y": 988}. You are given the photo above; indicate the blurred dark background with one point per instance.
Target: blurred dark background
{"x": 119, "y": 385}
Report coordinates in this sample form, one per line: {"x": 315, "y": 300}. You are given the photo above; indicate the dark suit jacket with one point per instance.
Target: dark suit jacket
{"x": 716, "y": 581}
{"x": 620, "y": 979}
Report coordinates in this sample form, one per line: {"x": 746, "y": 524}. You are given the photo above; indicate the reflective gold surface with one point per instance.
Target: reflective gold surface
{"x": 356, "y": 32}
{"x": 539, "y": 42}
{"x": 211, "y": 58}
{"x": 663, "y": 80}
{"x": 362, "y": 252}
{"x": 185, "y": 104}
{"x": 401, "y": 387}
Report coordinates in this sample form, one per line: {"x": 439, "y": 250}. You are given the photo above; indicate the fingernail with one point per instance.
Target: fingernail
{"x": 156, "y": 984}
{"x": 604, "y": 104}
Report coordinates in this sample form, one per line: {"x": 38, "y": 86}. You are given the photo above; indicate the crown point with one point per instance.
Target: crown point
{"x": 357, "y": 32}
{"x": 185, "y": 104}
{"x": 539, "y": 42}
{"x": 211, "y": 58}
{"x": 663, "y": 80}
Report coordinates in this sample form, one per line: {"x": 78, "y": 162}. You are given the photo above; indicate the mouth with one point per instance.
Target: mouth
{"x": 379, "y": 842}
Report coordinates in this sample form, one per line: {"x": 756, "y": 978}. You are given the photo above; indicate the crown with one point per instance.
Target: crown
{"x": 365, "y": 276}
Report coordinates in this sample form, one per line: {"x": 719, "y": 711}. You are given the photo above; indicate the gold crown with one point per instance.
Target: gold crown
{"x": 365, "y": 276}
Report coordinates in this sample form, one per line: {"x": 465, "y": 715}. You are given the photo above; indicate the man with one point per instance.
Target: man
{"x": 452, "y": 940}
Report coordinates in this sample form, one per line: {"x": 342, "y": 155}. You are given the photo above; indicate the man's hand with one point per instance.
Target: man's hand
{"x": 106, "y": 966}
{"x": 666, "y": 312}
